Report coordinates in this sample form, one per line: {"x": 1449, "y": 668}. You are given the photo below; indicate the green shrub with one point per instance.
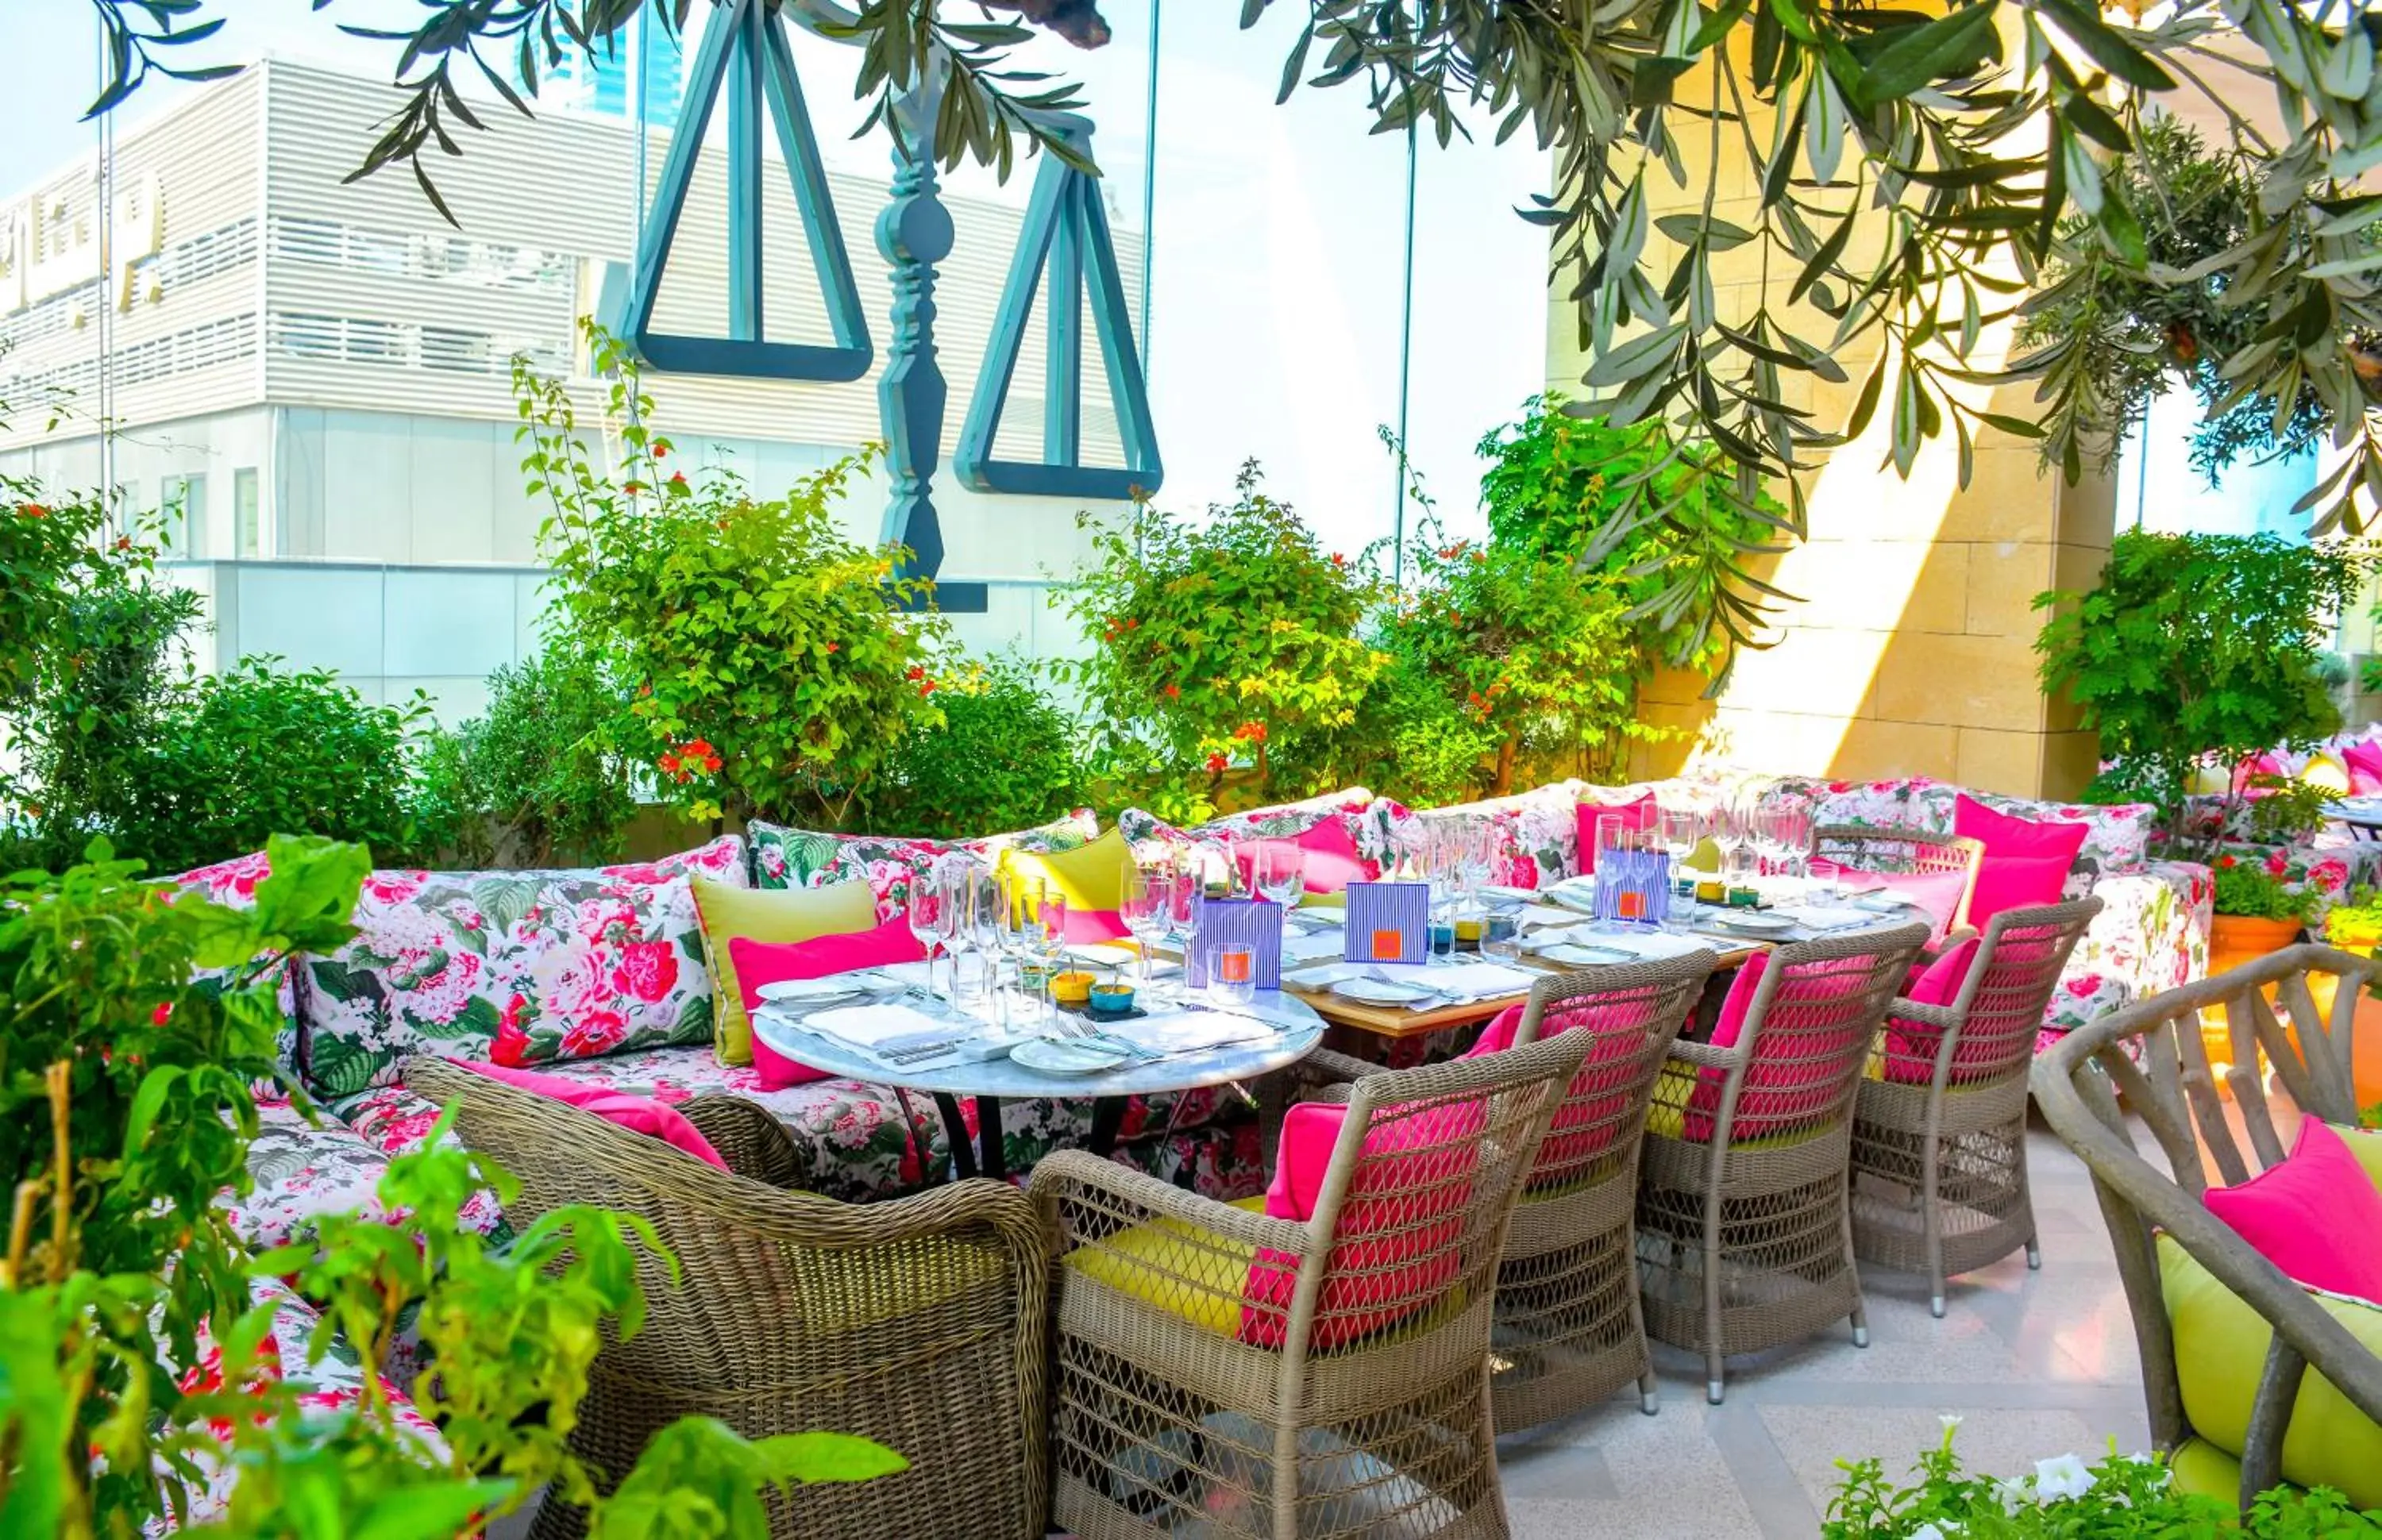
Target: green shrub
{"x": 2254, "y": 889}
{"x": 2197, "y": 648}
{"x": 530, "y": 782}
{"x": 1006, "y": 757}
{"x": 769, "y": 674}
{"x": 1231, "y": 641}
{"x": 1499, "y": 654}
{"x": 235, "y": 758}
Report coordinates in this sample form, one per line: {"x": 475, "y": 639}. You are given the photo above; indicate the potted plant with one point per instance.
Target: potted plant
{"x": 2257, "y": 910}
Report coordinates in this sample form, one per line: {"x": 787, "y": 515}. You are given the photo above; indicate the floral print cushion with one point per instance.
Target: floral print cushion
{"x": 2328, "y": 872}
{"x": 301, "y": 1168}
{"x": 514, "y": 967}
{"x": 785, "y": 857}
{"x": 2151, "y": 935}
{"x": 1537, "y": 831}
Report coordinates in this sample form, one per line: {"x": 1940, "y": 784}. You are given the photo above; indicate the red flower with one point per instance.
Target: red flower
{"x": 2224, "y": 861}
{"x": 1131, "y": 625}
{"x": 661, "y": 447}
{"x": 1172, "y": 691}
{"x": 1216, "y": 764}
{"x": 124, "y": 542}
{"x": 678, "y": 479}
{"x": 1250, "y": 732}
{"x": 160, "y": 1016}
{"x": 32, "y": 510}
{"x": 511, "y": 1045}
{"x": 593, "y": 1033}
{"x": 914, "y": 674}
{"x": 671, "y": 767}
{"x": 1339, "y": 560}
{"x": 2276, "y": 865}
{"x": 648, "y": 970}
{"x": 926, "y": 687}
{"x": 698, "y": 748}
{"x": 634, "y": 488}
{"x": 834, "y": 647}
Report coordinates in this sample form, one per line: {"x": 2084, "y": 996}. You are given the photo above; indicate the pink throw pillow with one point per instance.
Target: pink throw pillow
{"x": 2256, "y": 764}
{"x": 1585, "y": 1125}
{"x": 1910, "y": 1046}
{"x": 1643, "y": 813}
{"x": 1937, "y": 894}
{"x": 2026, "y": 862}
{"x": 1090, "y": 927}
{"x": 638, "y": 1114}
{"x": 1327, "y": 855}
{"x": 2365, "y": 765}
{"x": 2314, "y": 1216}
{"x": 760, "y": 962}
{"x": 1417, "y": 1184}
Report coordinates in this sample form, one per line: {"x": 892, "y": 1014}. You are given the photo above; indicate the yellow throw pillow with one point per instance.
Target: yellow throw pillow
{"x": 2220, "y": 1349}
{"x": 1090, "y": 877}
{"x": 2325, "y": 773}
{"x": 778, "y": 915}
{"x": 2367, "y": 1145}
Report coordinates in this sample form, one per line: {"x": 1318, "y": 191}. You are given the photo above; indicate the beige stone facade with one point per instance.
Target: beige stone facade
{"x": 1911, "y": 649}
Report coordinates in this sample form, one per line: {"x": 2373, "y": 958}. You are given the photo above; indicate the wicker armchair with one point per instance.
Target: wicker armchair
{"x": 1939, "y": 1127}
{"x": 1860, "y": 848}
{"x": 918, "y": 1322}
{"x": 1227, "y": 1372}
{"x": 2151, "y": 1054}
{"x": 1744, "y": 1236}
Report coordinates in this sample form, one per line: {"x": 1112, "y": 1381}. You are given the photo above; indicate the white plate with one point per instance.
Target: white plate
{"x": 1052, "y": 1055}
{"x": 1377, "y": 991}
{"x": 1581, "y": 955}
{"x": 1755, "y": 924}
{"x": 830, "y": 987}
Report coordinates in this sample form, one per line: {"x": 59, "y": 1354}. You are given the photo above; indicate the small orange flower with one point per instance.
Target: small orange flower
{"x": 32, "y": 510}
{"x": 634, "y": 489}
{"x": 1172, "y": 691}
{"x": 914, "y": 674}
{"x": 834, "y": 647}
{"x": 678, "y": 480}
{"x": 1216, "y": 764}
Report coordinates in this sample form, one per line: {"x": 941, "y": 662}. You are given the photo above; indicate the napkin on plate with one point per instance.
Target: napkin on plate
{"x": 1647, "y": 946}
{"x": 1190, "y": 1031}
{"x": 1821, "y": 918}
{"x": 875, "y": 1028}
{"x": 1308, "y": 945}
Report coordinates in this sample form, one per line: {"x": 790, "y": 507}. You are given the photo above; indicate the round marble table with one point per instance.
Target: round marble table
{"x": 1295, "y": 1027}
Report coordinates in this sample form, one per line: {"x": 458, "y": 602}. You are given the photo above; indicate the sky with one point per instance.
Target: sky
{"x": 1276, "y": 255}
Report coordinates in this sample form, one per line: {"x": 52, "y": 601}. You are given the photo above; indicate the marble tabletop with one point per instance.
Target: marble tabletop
{"x": 1285, "y": 1044}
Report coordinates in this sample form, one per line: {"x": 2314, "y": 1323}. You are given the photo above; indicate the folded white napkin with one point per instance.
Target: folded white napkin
{"x": 1188, "y": 1031}
{"x": 1313, "y": 945}
{"x": 1540, "y": 916}
{"x": 871, "y": 1027}
{"x": 1645, "y": 945}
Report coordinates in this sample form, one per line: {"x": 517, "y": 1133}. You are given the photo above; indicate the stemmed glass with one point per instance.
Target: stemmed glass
{"x": 983, "y": 916}
{"x": 1018, "y": 928}
{"x": 925, "y": 912}
{"x": 1050, "y": 932}
{"x": 954, "y": 883}
{"x": 1731, "y": 830}
{"x": 1277, "y": 871}
{"x": 1146, "y": 899}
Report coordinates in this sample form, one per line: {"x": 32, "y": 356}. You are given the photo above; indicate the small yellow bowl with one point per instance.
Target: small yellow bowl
{"x": 1070, "y": 989}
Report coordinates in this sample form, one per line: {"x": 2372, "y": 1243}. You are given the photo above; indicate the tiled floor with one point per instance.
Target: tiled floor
{"x": 2034, "y": 1363}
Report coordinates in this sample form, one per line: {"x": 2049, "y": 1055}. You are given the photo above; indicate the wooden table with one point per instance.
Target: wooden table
{"x": 1396, "y": 1021}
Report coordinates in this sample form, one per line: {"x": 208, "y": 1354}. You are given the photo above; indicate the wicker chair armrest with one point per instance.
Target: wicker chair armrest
{"x": 1704, "y": 1055}
{"x": 754, "y": 1145}
{"x": 1942, "y": 1017}
{"x": 1329, "y": 1067}
{"x": 1077, "y": 1174}
{"x": 1952, "y": 939}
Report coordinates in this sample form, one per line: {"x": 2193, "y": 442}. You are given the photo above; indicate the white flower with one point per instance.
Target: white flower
{"x": 2013, "y": 1495}
{"x": 1934, "y": 1532}
{"x": 2062, "y": 1477}
{"x": 1949, "y": 1419}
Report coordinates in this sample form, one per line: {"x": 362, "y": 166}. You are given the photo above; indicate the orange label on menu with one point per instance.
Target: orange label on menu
{"x": 1633, "y": 906}
{"x": 1232, "y": 967}
{"x": 1389, "y": 944}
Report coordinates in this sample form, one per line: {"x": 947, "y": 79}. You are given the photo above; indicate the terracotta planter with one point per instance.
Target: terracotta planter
{"x": 2365, "y": 1062}
{"x": 2234, "y": 939}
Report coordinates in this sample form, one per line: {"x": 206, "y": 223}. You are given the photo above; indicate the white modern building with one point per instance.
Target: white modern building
{"x": 315, "y": 373}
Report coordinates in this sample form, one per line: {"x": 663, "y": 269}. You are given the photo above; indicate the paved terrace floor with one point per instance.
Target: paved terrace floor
{"x": 2034, "y": 1363}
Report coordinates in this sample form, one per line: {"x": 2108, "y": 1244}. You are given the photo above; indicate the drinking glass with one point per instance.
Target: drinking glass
{"x": 1014, "y": 924}
{"x": 1143, "y": 908}
{"x": 1233, "y": 976}
{"x": 956, "y": 926}
{"x": 984, "y": 897}
{"x": 1278, "y": 872}
{"x": 925, "y": 911}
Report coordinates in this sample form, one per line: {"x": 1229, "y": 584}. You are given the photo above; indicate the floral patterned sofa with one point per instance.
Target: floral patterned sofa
{"x": 2152, "y": 933}
{"x": 597, "y": 974}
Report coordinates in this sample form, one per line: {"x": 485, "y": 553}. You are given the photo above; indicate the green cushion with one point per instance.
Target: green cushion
{"x": 2220, "y": 1349}
{"x": 779, "y": 915}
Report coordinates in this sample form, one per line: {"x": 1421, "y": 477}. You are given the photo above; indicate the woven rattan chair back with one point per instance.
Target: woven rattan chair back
{"x": 1228, "y": 1374}
{"x": 1903, "y": 851}
{"x": 2151, "y": 1054}
{"x": 1569, "y": 1331}
{"x": 920, "y": 1323}
{"x": 1743, "y": 1234}
{"x": 1939, "y": 1132}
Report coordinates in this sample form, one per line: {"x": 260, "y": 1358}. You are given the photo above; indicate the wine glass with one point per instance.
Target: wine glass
{"x": 956, "y": 926}
{"x": 1144, "y": 902}
{"x": 923, "y": 907}
{"x": 985, "y": 898}
{"x": 1277, "y": 871}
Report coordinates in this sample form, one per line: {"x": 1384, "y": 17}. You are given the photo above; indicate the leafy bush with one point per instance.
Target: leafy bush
{"x": 767, "y": 669}
{"x": 530, "y": 781}
{"x": 2122, "y": 1495}
{"x": 1528, "y": 656}
{"x": 1005, "y": 757}
{"x": 2195, "y": 648}
{"x": 136, "y": 1371}
{"x": 1660, "y": 526}
{"x": 233, "y": 759}
{"x": 1236, "y": 641}
{"x": 51, "y": 551}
